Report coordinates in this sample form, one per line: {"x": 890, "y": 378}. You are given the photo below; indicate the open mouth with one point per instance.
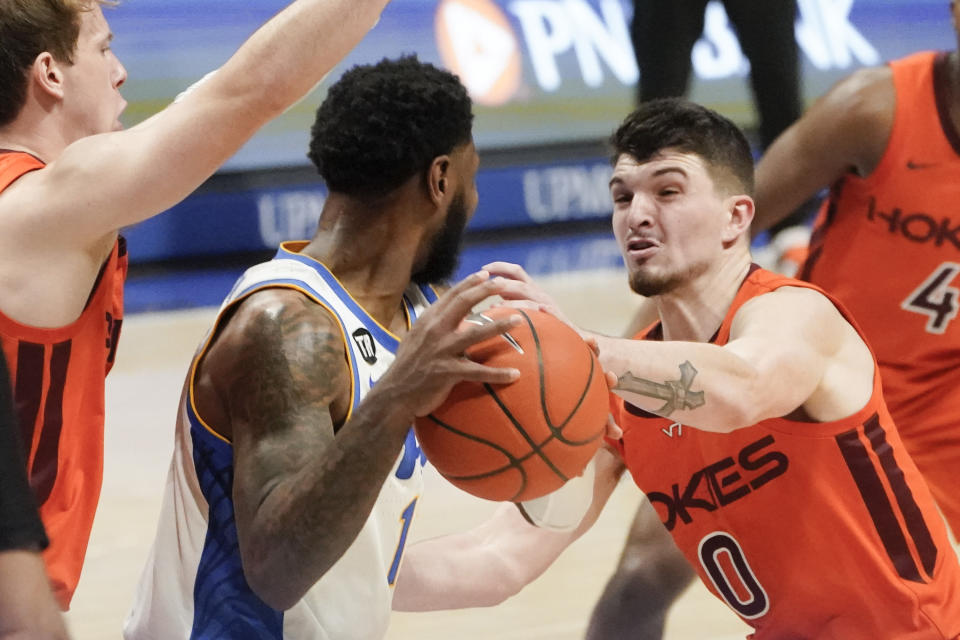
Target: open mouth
{"x": 639, "y": 244}
{"x": 642, "y": 247}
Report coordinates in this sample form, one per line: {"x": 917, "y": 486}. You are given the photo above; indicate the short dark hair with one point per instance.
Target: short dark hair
{"x": 27, "y": 29}
{"x": 382, "y": 124}
{"x": 673, "y": 123}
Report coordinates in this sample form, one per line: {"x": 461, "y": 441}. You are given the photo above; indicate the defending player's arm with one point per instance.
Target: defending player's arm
{"x": 845, "y": 130}
{"x": 304, "y": 484}
{"x": 486, "y": 565}
{"x": 788, "y": 349}
{"x": 103, "y": 182}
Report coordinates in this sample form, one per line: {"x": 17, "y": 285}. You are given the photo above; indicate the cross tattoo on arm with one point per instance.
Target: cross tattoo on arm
{"x": 676, "y": 393}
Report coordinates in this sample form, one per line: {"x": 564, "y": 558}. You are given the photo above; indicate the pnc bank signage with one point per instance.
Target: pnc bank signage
{"x": 487, "y": 42}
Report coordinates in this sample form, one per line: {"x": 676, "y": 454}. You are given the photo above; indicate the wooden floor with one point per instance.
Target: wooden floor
{"x": 142, "y": 394}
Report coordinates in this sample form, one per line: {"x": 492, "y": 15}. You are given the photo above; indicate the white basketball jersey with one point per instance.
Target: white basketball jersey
{"x": 193, "y": 585}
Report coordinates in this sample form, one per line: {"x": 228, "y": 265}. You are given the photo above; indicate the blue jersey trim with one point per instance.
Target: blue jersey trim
{"x": 382, "y": 336}
{"x": 428, "y": 293}
{"x": 224, "y": 605}
{"x": 300, "y": 284}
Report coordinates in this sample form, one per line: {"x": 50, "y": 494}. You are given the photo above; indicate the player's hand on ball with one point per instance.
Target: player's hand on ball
{"x": 430, "y": 359}
{"x": 521, "y": 290}
{"x": 613, "y": 430}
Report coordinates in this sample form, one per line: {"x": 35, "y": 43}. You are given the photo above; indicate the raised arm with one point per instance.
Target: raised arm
{"x": 500, "y": 556}
{"x": 788, "y": 349}
{"x": 305, "y": 481}
{"x": 103, "y": 182}
{"x": 845, "y": 130}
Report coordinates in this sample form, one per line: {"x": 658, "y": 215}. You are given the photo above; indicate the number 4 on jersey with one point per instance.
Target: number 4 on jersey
{"x": 935, "y": 299}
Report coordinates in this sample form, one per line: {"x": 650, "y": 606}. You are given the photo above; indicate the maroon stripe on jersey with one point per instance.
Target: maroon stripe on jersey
{"x": 637, "y": 411}
{"x": 817, "y": 238}
{"x": 114, "y": 337}
{"x": 43, "y": 471}
{"x": 868, "y": 482}
{"x": 28, "y": 389}
{"x": 916, "y": 525}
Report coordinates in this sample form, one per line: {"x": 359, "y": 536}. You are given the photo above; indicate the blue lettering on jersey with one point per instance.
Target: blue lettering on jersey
{"x": 411, "y": 452}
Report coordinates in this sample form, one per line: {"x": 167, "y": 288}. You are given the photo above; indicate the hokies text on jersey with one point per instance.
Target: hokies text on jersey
{"x": 916, "y": 227}
{"x": 720, "y": 483}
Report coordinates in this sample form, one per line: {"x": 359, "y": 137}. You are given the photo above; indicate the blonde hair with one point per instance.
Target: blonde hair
{"x": 27, "y": 29}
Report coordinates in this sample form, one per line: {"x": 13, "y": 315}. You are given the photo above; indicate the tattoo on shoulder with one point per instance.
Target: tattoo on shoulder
{"x": 294, "y": 362}
{"x": 676, "y": 393}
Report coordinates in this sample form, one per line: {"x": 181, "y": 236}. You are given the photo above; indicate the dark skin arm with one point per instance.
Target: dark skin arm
{"x": 846, "y": 130}
{"x": 276, "y": 383}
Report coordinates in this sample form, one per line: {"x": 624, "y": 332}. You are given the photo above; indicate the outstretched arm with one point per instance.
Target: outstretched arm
{"x": 845, "y": 130}
{"x": 500, "y": 556}
{"x": 104, "y": 182}
{"x": 784, "y": 352}
{"x": 788, "y": 349}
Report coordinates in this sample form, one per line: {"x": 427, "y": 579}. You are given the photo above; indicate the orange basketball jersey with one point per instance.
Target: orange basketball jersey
{"x": 888, "y": 247}
{"x": 806, "y": 530}
{"x": 58, "y": 380}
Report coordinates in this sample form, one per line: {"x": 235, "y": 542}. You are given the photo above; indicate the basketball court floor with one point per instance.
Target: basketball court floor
{"x": 142, "y": 395}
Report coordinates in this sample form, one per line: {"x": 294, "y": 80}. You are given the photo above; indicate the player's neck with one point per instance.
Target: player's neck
{"x": 371, "y": 253}
{"x": 36, "y": 136}
{"x": 695, "y": 310}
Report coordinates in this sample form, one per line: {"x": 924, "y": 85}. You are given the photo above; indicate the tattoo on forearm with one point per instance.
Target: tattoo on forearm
{"x": 676, "y": 393}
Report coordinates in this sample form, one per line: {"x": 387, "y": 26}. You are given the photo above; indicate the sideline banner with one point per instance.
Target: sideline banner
{"x": 213, "y": 222}
{"x": 540, "y": 71}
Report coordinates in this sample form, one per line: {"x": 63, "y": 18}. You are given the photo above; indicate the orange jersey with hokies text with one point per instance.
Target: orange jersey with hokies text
{"x": 58, "y": 389}
{"x": 806, "y": 530}
{"x": 888, "y": 247}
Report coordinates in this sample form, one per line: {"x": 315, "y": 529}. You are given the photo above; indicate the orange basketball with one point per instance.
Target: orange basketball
{"x": 522, "y": 440}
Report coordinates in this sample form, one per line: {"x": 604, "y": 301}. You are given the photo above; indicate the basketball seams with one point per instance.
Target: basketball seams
{"x": 513, "y": 460}
{"x": 518, "y": 424}
{"x": 557, "y": 430}
{"x": 534, "y": 447}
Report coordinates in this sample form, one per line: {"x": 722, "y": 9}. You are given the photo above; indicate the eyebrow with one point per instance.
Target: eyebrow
{"x": 659, "y": 172}
{"x": 671, "y": 169}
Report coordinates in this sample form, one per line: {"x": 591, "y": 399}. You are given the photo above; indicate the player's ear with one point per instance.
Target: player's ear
{"x": 46, "y": 73}
{"x": 438, "y": 179}
{"x": 739, "y": 210}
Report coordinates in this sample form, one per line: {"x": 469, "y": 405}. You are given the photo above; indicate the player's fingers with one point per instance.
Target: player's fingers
{"x": 613, "y": 430}
{"x": 521, "y": 304}
{"x": 460, "y": 300}
{"x": 592, "y": 343}
{"x": 611, "y": 378}
{"x": 507, "y": 270}
{"x": 474, "y": 333}
{"x": 473, "y": 280}
{"x": 516, "y": 290}
{"x": 469, "y": 370}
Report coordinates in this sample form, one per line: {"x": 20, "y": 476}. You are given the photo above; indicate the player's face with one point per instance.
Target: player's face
{"x": 667, "y": 219}
{"x": 444, "y": 252}
{"x": 92, "y": 100}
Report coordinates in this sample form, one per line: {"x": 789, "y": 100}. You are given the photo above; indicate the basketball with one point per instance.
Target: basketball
{"x": 522, "y": 440}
